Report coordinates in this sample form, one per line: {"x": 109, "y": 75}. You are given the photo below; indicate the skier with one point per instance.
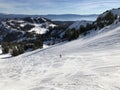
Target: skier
{"x": 60, "y": 56}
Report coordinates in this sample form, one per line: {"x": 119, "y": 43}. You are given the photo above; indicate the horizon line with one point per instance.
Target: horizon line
{"x": 47, "y": 14}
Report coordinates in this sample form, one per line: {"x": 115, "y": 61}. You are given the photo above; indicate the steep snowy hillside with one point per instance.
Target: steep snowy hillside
{"x": 88, "y": 63}
{"x": 77, "y": 24}
{"x": 114, "y": 11}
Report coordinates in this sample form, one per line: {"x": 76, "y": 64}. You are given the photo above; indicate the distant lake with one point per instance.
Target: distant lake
{"x": 72, "y": 17}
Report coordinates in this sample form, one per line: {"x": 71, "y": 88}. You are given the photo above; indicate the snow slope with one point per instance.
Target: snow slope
{"x": 77, "y": 24}
{"x": 89, "y": 63}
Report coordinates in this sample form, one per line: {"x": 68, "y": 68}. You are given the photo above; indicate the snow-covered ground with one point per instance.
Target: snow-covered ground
{"x": 89, "y": 63}
{"x": 76, "y": 25}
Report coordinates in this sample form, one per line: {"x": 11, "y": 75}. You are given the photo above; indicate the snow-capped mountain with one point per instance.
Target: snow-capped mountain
{"x": 90, "y": 62}
{"x": 114, "y": 11}
{"x": 76, "y": 25}
{"x": 38, "y": 25}
{"x": 20, "y": 27}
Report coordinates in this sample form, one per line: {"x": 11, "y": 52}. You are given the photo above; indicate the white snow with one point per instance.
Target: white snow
{"x": 114, "y": 11}
{"x": 76, "y": 25}
{"x": 44, "y": 19}
{"x": 89, "y": 63}
{"x": 52, "y": 25}
{"x": 45, "y": 46}
{"x": 41, "y": 30}
{"x": 23, "y": 24}
{"x": 38, "y": 29}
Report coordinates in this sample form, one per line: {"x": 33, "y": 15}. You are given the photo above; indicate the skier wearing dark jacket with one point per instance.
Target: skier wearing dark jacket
{"x": 60, "y": 56}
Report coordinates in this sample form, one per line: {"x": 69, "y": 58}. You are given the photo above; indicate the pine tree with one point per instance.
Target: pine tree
{"x": 5, "y": 47}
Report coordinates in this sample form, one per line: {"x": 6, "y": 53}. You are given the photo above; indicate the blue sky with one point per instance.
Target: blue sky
{"x": 57, "y": 6}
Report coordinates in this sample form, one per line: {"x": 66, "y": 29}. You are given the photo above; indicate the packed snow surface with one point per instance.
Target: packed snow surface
{"x": 88, "y": 63}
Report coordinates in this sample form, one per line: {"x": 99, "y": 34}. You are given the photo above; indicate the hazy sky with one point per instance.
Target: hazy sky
{"x": 57, "y": 6}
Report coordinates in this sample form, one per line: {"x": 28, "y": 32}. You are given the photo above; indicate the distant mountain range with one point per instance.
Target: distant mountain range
{"x": 54, "y": 17}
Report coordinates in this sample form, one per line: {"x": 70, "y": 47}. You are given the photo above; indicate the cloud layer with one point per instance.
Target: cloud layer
{"x": 57, "y": 6}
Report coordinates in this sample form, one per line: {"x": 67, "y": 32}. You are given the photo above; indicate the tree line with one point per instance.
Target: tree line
{"x": 101, "y": 22}
{"x": 15, "y": 48}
